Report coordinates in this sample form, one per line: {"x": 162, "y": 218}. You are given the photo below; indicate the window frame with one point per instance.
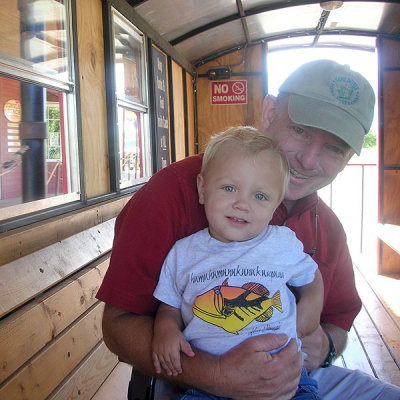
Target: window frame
{"x": 111, "y": 8}
{"x": 21, "y": 70}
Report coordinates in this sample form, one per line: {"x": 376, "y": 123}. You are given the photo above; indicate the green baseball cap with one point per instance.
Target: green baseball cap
{"x": 331, "y": 97}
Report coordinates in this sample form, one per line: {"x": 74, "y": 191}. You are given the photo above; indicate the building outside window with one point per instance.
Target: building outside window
{"x": 39, "y": 165}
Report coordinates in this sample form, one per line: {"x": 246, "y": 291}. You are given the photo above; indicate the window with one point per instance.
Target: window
{"x": 38, "y": 141}
{"x": 134, "y": 154}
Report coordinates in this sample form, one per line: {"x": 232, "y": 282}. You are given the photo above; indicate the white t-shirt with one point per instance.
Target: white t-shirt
{"x": 228, "y": 292}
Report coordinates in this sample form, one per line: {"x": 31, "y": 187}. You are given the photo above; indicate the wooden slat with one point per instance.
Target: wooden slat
{"x": 40, "y": 376}
{"x": 179, "y": 113}
{"x": 391, "y": 118}
{"x": 92, "y": 97}
{"x": 26, "y": 331}
{"x": 85, "y": 380}
{"x": 116, "y": 385}
{"x": 190, "y": 113}
{"x": 29, "y": 239}
{"x": 379, "y": 333}
{"x": 377, "y": 350}
{"x": 23, "y": 279}
{"x": 354, "y": 356}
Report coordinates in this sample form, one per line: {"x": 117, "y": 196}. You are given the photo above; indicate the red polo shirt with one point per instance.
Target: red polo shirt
{"x": 167, "y": 209}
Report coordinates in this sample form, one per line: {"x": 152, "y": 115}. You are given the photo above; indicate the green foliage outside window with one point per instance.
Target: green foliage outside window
{"x": 53, "y": 145}
{"x": 369, "y": 140}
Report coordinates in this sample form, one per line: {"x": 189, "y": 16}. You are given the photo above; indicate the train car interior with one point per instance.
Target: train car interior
{"x": 96, "y": 96}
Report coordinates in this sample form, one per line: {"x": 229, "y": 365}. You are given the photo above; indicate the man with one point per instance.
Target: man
{"x": 319, "y": 118}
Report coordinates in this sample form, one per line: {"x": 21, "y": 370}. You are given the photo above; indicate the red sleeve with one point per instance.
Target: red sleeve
{"x": 164, "y": 210}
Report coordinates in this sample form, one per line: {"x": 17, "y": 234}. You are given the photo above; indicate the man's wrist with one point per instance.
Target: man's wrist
{"x": 331, "y": 353}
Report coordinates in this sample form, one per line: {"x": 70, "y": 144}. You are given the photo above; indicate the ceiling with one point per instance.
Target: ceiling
{"x": 202, "y": 30}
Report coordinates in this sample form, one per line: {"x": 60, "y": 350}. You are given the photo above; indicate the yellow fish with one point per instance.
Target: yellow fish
{"x": 232, "y": 308}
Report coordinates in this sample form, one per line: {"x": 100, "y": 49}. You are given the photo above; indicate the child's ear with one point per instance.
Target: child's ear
{"x": 200, "y": 188}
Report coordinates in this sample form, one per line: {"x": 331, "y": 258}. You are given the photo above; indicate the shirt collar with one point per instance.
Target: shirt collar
{"x": 306, "y": 203}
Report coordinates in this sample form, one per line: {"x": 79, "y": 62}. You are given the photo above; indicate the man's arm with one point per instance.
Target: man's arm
{"x": 316, "y": 345}
{"x": 245, "y": 372}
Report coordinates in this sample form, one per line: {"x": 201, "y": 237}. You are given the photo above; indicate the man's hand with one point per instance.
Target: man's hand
{"x": 316, "y": 345}
{"x": 247, "y": 372}
{"x": 250, "y": 372}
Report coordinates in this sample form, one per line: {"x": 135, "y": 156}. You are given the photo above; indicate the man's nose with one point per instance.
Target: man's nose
{"x": 310, "y": 156}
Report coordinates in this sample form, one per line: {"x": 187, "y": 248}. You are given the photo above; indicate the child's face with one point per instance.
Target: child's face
{"x": 240, "y": 193}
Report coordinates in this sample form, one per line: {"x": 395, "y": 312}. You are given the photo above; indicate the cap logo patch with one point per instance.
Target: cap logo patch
{"x": 345, "y": 90}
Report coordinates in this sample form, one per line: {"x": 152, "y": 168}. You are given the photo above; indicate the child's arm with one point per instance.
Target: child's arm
{"x": 309, "y": 306}
{"x": 168, "y": 340}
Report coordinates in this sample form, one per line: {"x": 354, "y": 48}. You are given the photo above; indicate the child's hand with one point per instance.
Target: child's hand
{"x": 166, "y": 352}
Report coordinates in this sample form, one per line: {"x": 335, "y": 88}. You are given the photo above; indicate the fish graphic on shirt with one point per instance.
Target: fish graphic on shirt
{"x": 232, "y": 308}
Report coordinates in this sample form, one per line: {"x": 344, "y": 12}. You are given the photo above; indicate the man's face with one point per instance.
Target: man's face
{"x": 315, "y": 156}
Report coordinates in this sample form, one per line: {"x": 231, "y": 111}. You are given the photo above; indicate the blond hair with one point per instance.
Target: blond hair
{"x": 252, "y": 142}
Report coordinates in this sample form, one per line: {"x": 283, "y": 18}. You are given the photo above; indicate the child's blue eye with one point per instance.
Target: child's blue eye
{"x": 229, "y": 188}
{"x": 260, "y": 196}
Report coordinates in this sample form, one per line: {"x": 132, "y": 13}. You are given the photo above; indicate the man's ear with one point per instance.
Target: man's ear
{"x": 200, "y": 188}
{"x": 268, "y": 112}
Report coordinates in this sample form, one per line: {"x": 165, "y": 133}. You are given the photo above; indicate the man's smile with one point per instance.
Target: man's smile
{"x": 297, "y": 174}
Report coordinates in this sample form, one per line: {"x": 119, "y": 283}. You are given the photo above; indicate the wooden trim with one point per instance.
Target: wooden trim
{"x": 28, "y": 239}
{"x": 26, "y": 331}
{"x": 85, "y": 380}
{"x": 25, "y": 278}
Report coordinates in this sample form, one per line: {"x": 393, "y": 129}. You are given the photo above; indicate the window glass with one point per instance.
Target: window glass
{"x": 34, "y": 35}
{"x": 132, "y": 107}
{"x": 38, "y": 141}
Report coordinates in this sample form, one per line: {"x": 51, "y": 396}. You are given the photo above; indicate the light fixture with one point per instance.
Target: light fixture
{"x": 331, "y": 5}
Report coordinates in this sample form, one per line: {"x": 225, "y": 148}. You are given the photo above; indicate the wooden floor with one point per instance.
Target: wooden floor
{"x": 374, "y": 340}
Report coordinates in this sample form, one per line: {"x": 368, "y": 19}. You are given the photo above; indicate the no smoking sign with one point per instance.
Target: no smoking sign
{"x": 229, "y": 92}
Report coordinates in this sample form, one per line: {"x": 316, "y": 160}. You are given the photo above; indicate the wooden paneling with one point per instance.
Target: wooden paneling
{"x": 10, "y": 29}
{"x": 389, "y": 160}
{"x": 391, "y": 203}
{"x": 84, "y": 382}
{"x": 179, "y": 113}
{"x": 25, "y": 332}
{"x": 93, "y": 96}
{"x": 390, "y": 51}
{"x": 38, "y": 378}
{"x": 391, "y": 103}
{"x": 24, "y": 241}
{"x": 215, "y": 118}
{"x": 190, "y": 113}
{"x": 23, "y": 279}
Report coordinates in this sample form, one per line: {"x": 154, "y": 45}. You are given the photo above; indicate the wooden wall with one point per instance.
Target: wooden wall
{"x": 179, "y": 111}
{"x": 50, "y": 322}
{"x": 93, "y": 97}
{"x": 389, "y": 160}
{"x": 212, "y": 119}
{"x": 51, "y": 343}
{"x": 190, "y": 114}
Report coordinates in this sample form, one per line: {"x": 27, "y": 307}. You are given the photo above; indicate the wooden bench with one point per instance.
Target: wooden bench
{"x": 51, "y": 343}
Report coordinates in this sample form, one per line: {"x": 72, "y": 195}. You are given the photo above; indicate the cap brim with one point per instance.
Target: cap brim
{"x": 326, "y": 116}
